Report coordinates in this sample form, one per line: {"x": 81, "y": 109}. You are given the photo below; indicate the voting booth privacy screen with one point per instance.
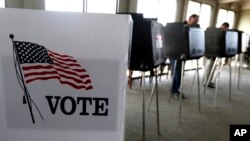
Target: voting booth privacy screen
{"x": 62, "y": 75}
{"x": 185, "y": 41}
{"x": 148, "y": 45}
{"x": 221, "y": 43}
{"x": 243, "y": 41}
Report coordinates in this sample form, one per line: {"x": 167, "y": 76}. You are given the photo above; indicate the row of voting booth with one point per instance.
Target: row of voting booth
{"x": 152, "y": 44}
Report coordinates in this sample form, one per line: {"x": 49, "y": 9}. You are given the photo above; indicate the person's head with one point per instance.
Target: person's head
{"x": 193, "y": 20}
{"x": 225, "y": 26}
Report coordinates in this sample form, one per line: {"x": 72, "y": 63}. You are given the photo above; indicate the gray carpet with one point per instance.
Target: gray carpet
{"x": 212, "y": 124}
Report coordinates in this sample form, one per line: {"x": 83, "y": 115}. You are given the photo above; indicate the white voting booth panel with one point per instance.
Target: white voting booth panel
{"x": 73, "y": 67}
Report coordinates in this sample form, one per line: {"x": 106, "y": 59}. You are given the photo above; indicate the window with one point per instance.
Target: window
{"x": 203, "y": 10}
{"x": 2, "y": 3}
{"x": 167, "y": 11}
{"x": 225, "y": 16}
{"x": 163, "y": 10}
{"x": 101, "y": 6}
{"x": 193, "y": 8}
{"x": 205, "y": 15}
{"x": 149, "y": 8}
{"x": 64, "y": 5}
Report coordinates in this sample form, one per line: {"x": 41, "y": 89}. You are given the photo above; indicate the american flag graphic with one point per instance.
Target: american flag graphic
{"x": 39, "y": 63}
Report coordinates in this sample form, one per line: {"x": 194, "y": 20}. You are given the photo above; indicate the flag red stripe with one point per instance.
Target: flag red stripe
{"x": 70, "y": 72}
{"x": 61, "y": 81}
{"x": 61, "y": 75}
{"x": 70, "y": 64}
{"x": 26, "y": 68}
{"x": 40, "y": 73}
{"x": 59, "y": 54}
{"x": 67, "y": 72}
{"x": 62, "y": 59}
{"x": 66, "y": 67}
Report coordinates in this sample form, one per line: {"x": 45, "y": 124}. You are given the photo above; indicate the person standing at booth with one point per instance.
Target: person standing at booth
{"x": 177, "y": 64}
{"x": 224, "y": 27}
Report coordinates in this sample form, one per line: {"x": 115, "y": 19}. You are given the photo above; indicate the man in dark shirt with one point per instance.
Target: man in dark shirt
{"x": 176, "y": 64}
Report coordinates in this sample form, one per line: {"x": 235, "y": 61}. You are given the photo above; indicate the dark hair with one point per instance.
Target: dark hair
{"x": 194, "y": 16}
{"x": 226, "y": 24}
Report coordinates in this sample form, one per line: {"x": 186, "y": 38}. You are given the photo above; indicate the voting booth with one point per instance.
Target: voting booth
{"x": 182, "y": 40}
{"x": 146, "y": 53}
{"x": 243, "y": 42}
{"x": 148, "y": 45}
{"x": 185, "y": 43}
{"x": 62, "y": 75}
{"x": 221, "y": 43}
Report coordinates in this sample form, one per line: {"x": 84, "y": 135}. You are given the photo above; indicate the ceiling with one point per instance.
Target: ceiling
{"x": 245, "y": 4}
{"x": 230, "y": 1}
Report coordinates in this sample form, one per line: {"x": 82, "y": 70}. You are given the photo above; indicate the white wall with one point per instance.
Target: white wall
{"x": 244, "y": 21}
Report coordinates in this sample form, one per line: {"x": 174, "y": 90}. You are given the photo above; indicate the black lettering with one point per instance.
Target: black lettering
{"x": 53, "y": 107}
{"x": 73, "y": 105}
{"x": 84, "y": 104}
{"x": 100, "y": 109}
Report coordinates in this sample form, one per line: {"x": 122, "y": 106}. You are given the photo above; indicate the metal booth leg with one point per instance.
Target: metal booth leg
{"x": 181, "y": 90}
{"x": 198, "y": 82}
{"x": 189, "y": 91}
{"x": 230, "y": 79}
{"x": 217, "y": 82}
{"x": 157, "y": 102}
{"x": 204, "y": 78}
{"x": 143, "y": 106}
{"x": 210, "y": 75}
{"x": 151, "y": 95}
{"x": 239, "y": 71}
{"x": 155, "y": 88}
{"x": 235, "y": 67}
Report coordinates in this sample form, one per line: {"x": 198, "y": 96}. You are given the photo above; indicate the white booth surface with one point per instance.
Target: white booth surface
{"x": 64, "y": 76}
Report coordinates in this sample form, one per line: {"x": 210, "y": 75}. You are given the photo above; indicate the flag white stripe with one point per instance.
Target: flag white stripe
{"x": 84, "y": 81}
{"x": 59, "y": 72}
